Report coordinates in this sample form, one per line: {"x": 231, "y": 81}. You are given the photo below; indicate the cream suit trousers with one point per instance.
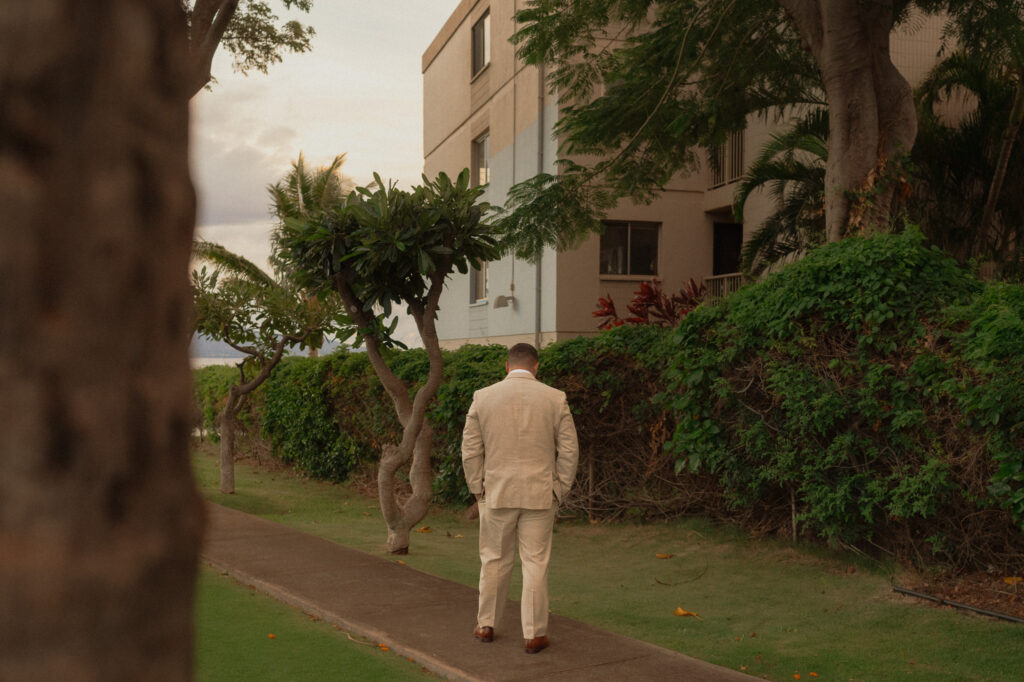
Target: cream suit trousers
{"x": 499, "y": 529}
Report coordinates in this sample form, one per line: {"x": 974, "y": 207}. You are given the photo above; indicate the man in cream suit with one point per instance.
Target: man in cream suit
{"x": 519, "y": 453}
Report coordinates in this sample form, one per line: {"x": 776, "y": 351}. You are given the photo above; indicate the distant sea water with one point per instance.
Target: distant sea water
{"x": 206, "y": 362}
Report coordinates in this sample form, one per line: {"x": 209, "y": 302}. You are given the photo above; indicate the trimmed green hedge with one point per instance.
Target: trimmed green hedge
{"x": 300, "y": 424}
{"x": 468, "y": 369}
{"x": 209, "y": 389}
{"x": 869, "y": 395}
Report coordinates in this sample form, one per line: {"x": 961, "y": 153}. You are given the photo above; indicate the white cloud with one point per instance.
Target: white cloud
{"x": 358, "y": 92}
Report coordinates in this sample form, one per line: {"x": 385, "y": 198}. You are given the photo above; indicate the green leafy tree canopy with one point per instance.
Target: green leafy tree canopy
{"x": 249, "y": 29}
{"x": 647, "y": 88}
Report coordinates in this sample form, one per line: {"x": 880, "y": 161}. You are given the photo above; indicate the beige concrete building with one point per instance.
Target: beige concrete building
{"x": 485, "y": 110}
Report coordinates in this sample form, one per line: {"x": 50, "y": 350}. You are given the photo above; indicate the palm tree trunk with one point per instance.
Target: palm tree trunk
{"x": 1009, "y": 138}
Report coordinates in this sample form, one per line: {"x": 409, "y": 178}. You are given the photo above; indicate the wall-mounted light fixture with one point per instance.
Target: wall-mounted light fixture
{"x": 510, "y": 300}
{"x": 504, "y": 301}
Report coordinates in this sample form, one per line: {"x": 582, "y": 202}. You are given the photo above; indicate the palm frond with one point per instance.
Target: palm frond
{"x": 791, "y": 168}
{"x": 303, "y": 191}
{"x": 236, "y": 265}
{"x": 794, "y": 156}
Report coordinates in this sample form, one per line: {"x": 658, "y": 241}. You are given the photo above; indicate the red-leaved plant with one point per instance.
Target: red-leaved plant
{"x": 651, "y": 305}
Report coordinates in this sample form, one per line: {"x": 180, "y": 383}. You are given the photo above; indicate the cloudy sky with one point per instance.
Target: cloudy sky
{"x": 358, "y": 92}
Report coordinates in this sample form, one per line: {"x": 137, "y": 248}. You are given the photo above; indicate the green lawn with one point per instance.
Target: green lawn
{"x": 244, "y": 635}
{"x": 765, "y": 606}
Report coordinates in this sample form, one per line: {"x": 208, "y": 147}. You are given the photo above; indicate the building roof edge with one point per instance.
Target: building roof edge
{"x": 446, "y": 32}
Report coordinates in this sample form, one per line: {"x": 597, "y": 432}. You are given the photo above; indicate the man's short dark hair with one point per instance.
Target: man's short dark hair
{"x": 522, "y": 355}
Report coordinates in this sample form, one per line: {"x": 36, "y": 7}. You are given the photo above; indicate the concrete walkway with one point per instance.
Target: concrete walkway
{"x": 423, "y": 617}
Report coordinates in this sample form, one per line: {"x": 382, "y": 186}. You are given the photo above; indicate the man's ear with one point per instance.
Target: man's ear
{"x": 507, "y": 368}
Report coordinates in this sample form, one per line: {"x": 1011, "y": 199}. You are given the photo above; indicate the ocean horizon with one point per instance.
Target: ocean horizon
{"x": 198, "y": 363}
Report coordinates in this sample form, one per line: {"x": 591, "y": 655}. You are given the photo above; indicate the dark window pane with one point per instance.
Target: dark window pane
{"x": 481, "y": 160}
{"x": 481, "y": 43}
{"x": 643, "y": 250}
{"x": 478, "y": 284}
{"x": 614, "y": 249}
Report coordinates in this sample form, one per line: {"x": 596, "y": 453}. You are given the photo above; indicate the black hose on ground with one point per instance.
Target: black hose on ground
{"x": 958, "y": 605}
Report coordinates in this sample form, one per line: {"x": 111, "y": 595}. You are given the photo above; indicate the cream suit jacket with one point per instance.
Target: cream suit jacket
{"x": 519, "y": 445}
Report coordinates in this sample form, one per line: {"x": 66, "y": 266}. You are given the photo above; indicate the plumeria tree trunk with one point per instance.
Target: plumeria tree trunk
{"x": 417, "y": 435}
{"x": 872, "y": 120}
{"x": 227, "y": 420}
{"x": 400, "y": 519}
{"x": 100, "y": 521}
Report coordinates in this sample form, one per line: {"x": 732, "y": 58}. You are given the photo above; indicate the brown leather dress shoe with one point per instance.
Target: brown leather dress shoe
{"x": 537, "y": 644}
{"x": 484, "y": 634}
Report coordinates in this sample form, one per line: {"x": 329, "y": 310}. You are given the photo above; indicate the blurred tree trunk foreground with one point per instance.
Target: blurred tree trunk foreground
{"x": 100, "y": 522}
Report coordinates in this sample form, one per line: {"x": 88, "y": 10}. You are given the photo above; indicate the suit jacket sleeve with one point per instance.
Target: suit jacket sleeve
{"x": 568, "y": 452}
{"x": 473, "y": 451}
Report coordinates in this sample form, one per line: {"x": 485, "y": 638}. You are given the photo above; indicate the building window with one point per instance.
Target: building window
{"x": 482, "y": 43}
{"x": 629, "y": 248}
{"x": 727, "y": 160}
{"x": 478, "y": 283}
{"x": 481, "y": 160}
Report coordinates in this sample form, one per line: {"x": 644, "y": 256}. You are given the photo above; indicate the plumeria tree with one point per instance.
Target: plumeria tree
{"x": 238, "y": 303}
{"x": 386, "y": 247}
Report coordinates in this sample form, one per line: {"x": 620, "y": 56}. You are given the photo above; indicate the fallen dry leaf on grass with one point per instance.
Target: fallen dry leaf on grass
{"x": 1013, "y": 580}
{"x": 424, "y": 529}
{"x": 353, "y": 639}
{"x": 680, "y": 611}
{"x": 664, "y": 556}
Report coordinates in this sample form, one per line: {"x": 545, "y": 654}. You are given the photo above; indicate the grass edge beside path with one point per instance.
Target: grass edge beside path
{"x": 766, "y": 607}
{"x": 243, "y": 634}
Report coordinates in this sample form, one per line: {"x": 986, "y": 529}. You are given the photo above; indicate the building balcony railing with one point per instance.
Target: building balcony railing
{"x": 723, "y": 285}
{"x": 727, "y": 161}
